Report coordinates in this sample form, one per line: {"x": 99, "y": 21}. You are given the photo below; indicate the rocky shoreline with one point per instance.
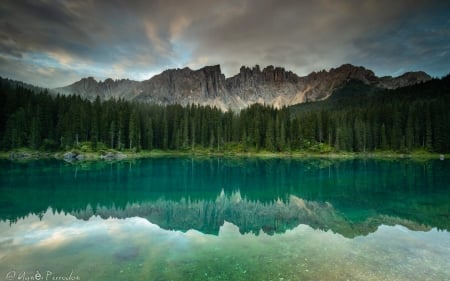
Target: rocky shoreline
{"x": 70, "y": 156}
{"x": 76, "y": 156}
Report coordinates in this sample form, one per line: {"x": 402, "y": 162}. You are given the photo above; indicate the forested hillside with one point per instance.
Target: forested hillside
{"x": 354, "y": 118}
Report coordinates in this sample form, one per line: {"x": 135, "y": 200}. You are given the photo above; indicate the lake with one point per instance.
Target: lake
{"x": 225, "y": 219}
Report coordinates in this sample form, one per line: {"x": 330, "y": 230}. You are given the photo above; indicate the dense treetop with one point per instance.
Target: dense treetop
{"x": 355, "y": 118}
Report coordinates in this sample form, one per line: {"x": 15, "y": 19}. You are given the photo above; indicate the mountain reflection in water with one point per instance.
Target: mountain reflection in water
{"x": 135, "y": 249}
{"x": 350, "y": 197}
{"x": 249, "y": 216}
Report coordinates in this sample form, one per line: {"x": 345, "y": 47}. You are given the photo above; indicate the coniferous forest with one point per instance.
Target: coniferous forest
{"x": 355, "y": 118}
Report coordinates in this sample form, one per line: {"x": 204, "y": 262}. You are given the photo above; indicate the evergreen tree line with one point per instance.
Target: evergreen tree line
{"x": 406, "y": 119}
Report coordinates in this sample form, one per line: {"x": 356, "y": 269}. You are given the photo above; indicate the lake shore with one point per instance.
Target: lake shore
{"x": 112, "y": 155}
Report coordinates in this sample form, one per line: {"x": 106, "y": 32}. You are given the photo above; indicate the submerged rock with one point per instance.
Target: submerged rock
{"x": 126, "y": 253}
{"x": 70, "y": 156}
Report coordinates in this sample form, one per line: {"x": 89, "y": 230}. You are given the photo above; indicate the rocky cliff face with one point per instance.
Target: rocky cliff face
{"x": 89, "y": 88}
{"x": 208, "y": 86}
{"x": 272, "y": 85}
{"x": 186, "y": 86}
{"x": 407, "y": 79}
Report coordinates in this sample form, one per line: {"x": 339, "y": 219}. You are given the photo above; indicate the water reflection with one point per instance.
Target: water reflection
{"x": 226, "y": 219}
{"x": 351, "y": 197}
{"x": 207, "y": 216}
{"x": 134, "y": 248}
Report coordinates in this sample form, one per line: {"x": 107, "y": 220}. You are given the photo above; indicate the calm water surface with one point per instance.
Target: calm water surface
{"x": 225, "y": 219}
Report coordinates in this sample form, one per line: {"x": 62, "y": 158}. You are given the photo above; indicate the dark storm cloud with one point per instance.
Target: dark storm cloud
{"x": 420, "y": 41}
{"x": 84, "y": 31}
{"x": 66, "y": 40}
{"x": 314, "y": 34}
{"x": 76, "y": 36}
{"x": 35, "y": 25}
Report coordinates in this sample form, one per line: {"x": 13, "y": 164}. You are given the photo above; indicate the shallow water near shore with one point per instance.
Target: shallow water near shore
{"x": 225, "y": 219}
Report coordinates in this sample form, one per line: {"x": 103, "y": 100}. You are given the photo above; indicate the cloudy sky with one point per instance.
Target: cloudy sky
{"x": 54, "y": 43}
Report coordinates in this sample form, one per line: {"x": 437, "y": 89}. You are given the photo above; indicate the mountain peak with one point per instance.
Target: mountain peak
{"x": 416, "y": 75}
{"x": 89, "y": 79}
{"x": 406, "y": 79}
{"x": 272, "y": 85}
{"x": 215, "y": 68}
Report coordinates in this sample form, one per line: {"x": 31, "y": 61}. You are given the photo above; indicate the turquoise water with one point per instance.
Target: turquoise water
{"x": 225, "y": 219}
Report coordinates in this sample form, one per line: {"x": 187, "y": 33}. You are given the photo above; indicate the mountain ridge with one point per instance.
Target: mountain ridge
{"x": 208, "y": 86}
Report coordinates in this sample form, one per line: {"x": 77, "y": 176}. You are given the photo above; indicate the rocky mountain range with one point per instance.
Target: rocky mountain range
{"x": 208, "y": 86}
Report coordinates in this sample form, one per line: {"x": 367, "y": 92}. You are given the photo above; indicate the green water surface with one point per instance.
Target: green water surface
{"x": 225, "y": 219}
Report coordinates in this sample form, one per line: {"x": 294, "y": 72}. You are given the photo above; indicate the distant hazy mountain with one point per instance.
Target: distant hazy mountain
{"x": 208, "y": 86}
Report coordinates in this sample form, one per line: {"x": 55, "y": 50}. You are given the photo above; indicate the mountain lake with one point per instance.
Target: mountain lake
{"x": 181, "y": 218}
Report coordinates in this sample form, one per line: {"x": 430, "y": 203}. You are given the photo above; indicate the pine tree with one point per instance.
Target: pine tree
{"x": 270, "y": 136}
{"x": 186, "y": 129}
{"x": 409, "y": 130}
{"x": 396, "y": 133}
{"x": 36, "y": 129}
{"x": 428, "y": 130}
{"x": 112, "y": 133}
{"x": 150, "y": 134}
{"x": 165, "y": 124}
{"x": 359, "y": 134}
{"x": 95, "y": 122}
{"x": 134, "y": 128}
{"x": 384, "y": 140}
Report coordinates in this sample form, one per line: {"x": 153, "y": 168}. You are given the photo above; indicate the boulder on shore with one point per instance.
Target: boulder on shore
{"x": 19, "y": 155}
{"x": 70, "y": 156}
{"x": 113, "y": 156}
